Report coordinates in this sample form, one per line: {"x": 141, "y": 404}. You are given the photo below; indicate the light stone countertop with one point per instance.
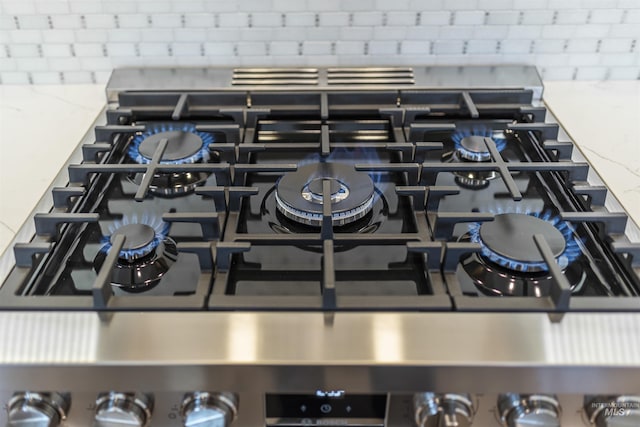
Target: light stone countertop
{"x": 45, "y": 123}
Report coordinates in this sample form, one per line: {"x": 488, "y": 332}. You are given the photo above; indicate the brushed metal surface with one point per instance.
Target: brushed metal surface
{"x": 220, "y": 79}
{"x": 384, "y": 352}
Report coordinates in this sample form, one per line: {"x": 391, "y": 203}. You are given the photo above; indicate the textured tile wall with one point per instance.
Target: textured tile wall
{"x": 81, "y": 41}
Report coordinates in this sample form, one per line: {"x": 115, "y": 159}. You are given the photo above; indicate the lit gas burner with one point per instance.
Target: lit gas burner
{"x": 299, "y": 194}
{"x": 185, "y": 145}
{"x": 145, "y": 257}
{"x": 474, "y": 180}
{"x": 508, "y": 240}
{"x": 509, "y": 262}
{"x": 470, "y": 144}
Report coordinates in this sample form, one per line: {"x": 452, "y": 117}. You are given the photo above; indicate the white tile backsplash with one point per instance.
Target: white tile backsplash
{"x": 70, "y": 21}
{"x": 502, "y": 17}
{"x": 624, "y": 73}
{"x": 60, "y": 36}
{"x": 582, "y": 45}
{"x": 64, "y": 64}
{"x": 306, "y": 19}
{"x": 498, "y": 32}
{"x": 132, "y": 20}
{"x": 401, "y": 18}
{"x": 56, "y": 50}
{"x": 24, "y": 36}
{"x": 616, "y": 46}
{"x": 317, "y": 48}
{"x": 538, "y": 17}
{"x": 46, "y": 78}
{"x": 618, "y": 60}
{"x": 117, "y": 6}
{"x": 53, "y": 41}
{"x": 606, "y": 16}
{"x": 31, "y": 22}
{"x": 369, "y": 18}
{"x": 572, "y": 16}
{"x": 35, "y": 64}
{"x": 100, "y": 20}
{"x": 435, "y": 17}
{"x": 469, "y": 17}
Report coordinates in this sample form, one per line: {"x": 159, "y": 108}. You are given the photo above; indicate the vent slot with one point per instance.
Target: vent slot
{"x": 274, "y": 76}
{"x": 370, "y": 76}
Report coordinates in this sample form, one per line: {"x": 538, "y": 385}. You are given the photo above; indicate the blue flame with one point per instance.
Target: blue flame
{"x": 350, "y": 156}
{"x": 498, "y": 139}
{"x": 160, "y": 227}
{"x": 571, "y": 251}
{"x": 201, "y": 155}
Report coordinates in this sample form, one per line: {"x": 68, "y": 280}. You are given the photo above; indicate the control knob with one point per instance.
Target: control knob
{"x": 614, "y": 411}
{"x": 116, "y": 409}
{"x": 204, "y": 409}
{"x": 521, "y": 410}
{"x": 35, "y": 409}
{"x": 443, "y": 410}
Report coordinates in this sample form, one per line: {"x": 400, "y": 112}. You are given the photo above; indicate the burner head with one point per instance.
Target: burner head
{"x": 145, "y": 257}
{"x": 299, "y": 194}
{"x": 473, "y": 147}
{"x": 140, "y": 240}
{"x": 470, "y": 145}
{"x": 474, "y": 180}
{"x": 184, "y": 145}
{"x": 509, "y": 263}
{"x": 509, "y": 237}
{"x": 508, "y": 240}
{"x": 181, "y": 145}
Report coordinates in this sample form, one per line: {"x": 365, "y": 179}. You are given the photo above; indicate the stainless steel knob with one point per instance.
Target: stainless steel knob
{"x": 521, "y": 410}
{"x": 204, "y": 409}
{"x": 614, "y": 411}
{"x": 443, "y": 410}
{"x": 123, "y": 409}
{"x": 36, "y": 409}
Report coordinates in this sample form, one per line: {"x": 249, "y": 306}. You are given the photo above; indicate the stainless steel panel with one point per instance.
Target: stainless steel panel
{"x": 361, "y": 352}
{"x": 220, "y": 79}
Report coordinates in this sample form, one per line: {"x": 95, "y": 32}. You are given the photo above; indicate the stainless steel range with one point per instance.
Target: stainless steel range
{"x": 309, "y": 247}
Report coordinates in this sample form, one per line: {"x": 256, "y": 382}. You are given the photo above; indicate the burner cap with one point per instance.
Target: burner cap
{"x": 145, "y": 257}
{"x": 185, "y": 144}
{"x": 139, "y": 240}
{"x": 299, "y": 194}
{"x": 181, "y": 145}
{"x": 470, "y": 144}
{"x": 508, "y": 240}
{"x": 473, "y": 147}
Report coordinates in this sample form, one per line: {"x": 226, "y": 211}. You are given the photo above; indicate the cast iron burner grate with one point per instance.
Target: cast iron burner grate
{"x": 378, "y": 220}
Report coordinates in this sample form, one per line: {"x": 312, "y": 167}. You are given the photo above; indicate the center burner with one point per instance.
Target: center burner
{"x": 299, "y": 194}
{"x": 510, "y": 263}
{"x": 185, "y": 145}
{"x": 145, "y": 257}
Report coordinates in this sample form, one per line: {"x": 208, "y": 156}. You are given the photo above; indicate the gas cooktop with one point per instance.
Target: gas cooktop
{"x": 327, "y": 200}
{"x": 389, "y": 191}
